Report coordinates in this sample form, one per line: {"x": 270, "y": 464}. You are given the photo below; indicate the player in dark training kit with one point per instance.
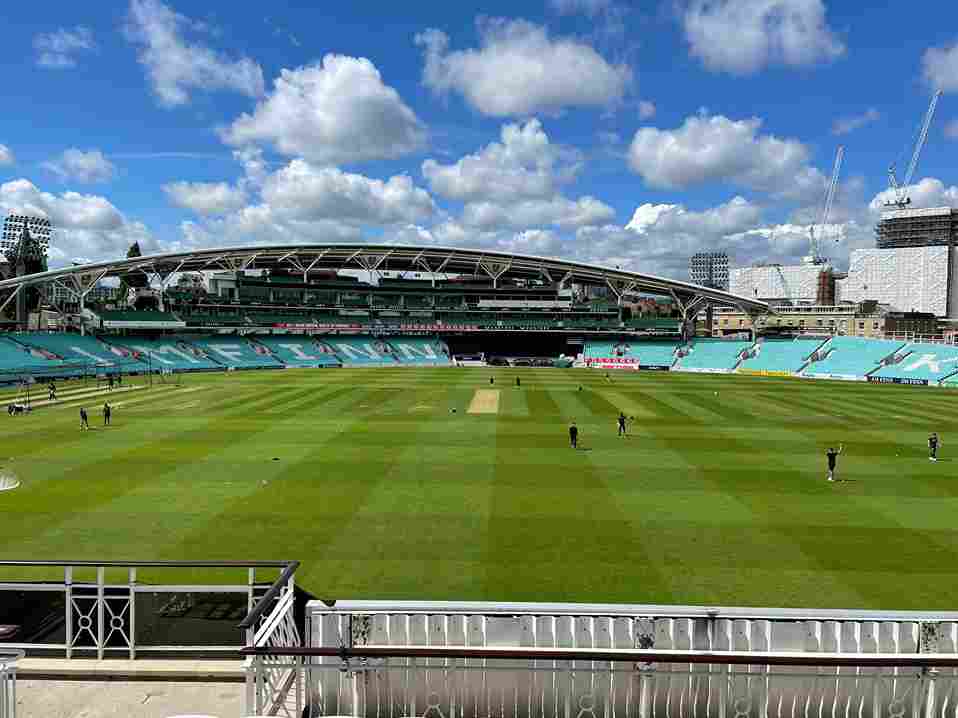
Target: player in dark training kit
{"x": 622, "y": 431}
{"x": 933, "y": 447}
{"x": 107, "y": 413}
{"x": 832, "y": 456}
{"x": 574, "y": 435}
{"x": 84, "y": 422}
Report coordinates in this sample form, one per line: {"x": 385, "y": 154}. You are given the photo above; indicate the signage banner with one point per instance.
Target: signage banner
{"x": 897, "y": 380}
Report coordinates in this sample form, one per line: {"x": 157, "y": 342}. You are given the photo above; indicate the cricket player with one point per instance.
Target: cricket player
{"x": 84, "y": 421}
{"x": 574, "y": 435}
{"x": 933, "y": 446}
{"x": 832, "y": 457}
{"x": 622, "y": 431}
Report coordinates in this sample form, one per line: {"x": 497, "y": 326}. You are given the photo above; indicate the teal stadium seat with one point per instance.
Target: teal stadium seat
{"x": 298, "y": 350}
{"x": 781, "y": 356}
{"x": 86, "y": 354}
{"x": 712, "y": 355}
{"x": 171, "y": 353}
{"x": 644, "y": 353}
{"x": 420, "y": 351}
{"x": 18, "y": 359}
{"x": 237, "y": 352}
{"x": 851, "y": 357}
{"x": 924, "y": 362}
{"x": 362, "y": 351}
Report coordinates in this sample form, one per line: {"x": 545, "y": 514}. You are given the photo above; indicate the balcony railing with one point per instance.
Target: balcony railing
{"x": 128, "y": 608}
{"x": 8, "y": 683}
{"x": 457, "y": 682}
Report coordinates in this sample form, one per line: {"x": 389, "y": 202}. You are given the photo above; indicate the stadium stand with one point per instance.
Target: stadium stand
{"x": 851, "y": 357}
{"x": 82, "y": 351}
{"x": 643, "y": 353}
{"x": 297, "y": 350}
{"x": 362, "y": 351}
{"x": 171, "y": 353}
{"x": 17, "y": 359}
{"x": 237, "y": 352}
{"x": 921, "y": 363}
{"x": 419, "y": 351}
{"x": 712, "y": 355}
{"x": 778, "y": 356}
{"x": 137, "y": 316}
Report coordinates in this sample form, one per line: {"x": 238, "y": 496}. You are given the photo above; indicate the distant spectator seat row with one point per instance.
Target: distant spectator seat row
{"x": 851, "y": 357}
{"x": 780, "y": 356}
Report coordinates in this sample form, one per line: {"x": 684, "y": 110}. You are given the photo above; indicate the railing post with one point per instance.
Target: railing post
{"x": 929, "y": 680}
{"x": 132, "y": 612}
{"x": 68, "y": 593}
{"x": 100, "y": 612}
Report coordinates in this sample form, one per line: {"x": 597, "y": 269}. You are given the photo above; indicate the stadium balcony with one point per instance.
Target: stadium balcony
{"x": 779, "y": 357}
{"x": 712, "y": 355}
{"x": 920, "y": 364}
{"x": 120, "y": 318}
{"x": 850, "y": 357}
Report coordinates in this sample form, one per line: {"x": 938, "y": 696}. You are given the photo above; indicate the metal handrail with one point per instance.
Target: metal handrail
{"x": 156, "y": 564}
{"x": 9, "y": 657}
{"x": 265, "y": 602}
{"x": 617, "y": 655}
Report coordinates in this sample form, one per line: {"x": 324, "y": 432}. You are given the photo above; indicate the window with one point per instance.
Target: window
{"x": 861, "y": 325}
{"x": 874, "y": 325}
{"x": 725, "y": 322}
{"x": 818, "y": 322}
{"x": 741, "y": 322}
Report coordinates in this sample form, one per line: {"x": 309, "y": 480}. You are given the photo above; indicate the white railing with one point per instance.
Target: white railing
{"x": 273, "y": 686}
{"x": 452, "y": 682}
{"x": 8, "y": 682}
{"x": 101, "y": 609}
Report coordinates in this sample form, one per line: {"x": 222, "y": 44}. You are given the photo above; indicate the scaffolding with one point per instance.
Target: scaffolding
{"x": 917, "y": 228}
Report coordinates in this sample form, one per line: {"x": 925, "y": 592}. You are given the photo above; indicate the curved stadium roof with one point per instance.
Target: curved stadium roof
{"x": 382, "y": 258}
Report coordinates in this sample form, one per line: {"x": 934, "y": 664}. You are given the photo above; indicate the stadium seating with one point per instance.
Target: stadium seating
{"x": 712, "y": 355}
{"x": 851, "y": 357}
{"x": 362, "y": 351}
{"x": 645, "y": 353}
{"x": 17, "y": 359}
{"x": 237, "y": 352}
{"x": 171, "y": 353}
{"x": 780, "y": 356}
{"x": 84, "y": 352}
{"x": 923, "y": 362}
{"x": 420, "y": 351}
{"x": 297, "y": 350}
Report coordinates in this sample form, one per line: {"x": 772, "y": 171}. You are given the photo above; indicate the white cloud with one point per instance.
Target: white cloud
{"x": 646, "y": 110}
{"x": 6, "y": 156}
{"x": 929, "y": 192}
{"x": 951, "y": 130}
{"x": 586, "y": 7}
{"x": 518, "y": 69}
{"x": 176, "y": 66}
{"x": 336, "y": 112}
{"x": 57, "y": 50}
{"x": 304, "y": 192}
{"x": 743, "y": 36}
{"x": 845, "y": 125}
{"x": 523, "y": 164}
{"x": 86, "y": 167}
{"x": 206, "y": 198}
{"x": 555, "y": 211}
{"x": 940, "y": 66}
{"x": 87, "y": 226}
{"x": 713, "y": 149}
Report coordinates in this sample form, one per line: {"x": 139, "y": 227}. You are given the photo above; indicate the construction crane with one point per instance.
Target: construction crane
{"x": 900, "y": 191}
{"x": 815, "y": 241}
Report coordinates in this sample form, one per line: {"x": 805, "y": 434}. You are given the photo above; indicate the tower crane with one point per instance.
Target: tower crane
{"x": 814, "y": 249}
{"x": 900, "y": 191}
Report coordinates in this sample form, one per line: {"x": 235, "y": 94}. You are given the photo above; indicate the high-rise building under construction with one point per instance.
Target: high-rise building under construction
{"x": 933, "y": 227}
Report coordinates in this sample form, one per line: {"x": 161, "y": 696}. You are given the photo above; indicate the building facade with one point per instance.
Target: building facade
{"x": 782, "y": 284}
{"x": 709, "y": 269}
{"x": 39, "y": 227}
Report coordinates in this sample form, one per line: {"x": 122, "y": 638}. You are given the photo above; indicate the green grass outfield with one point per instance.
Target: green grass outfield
{"x": 718, "y": 497}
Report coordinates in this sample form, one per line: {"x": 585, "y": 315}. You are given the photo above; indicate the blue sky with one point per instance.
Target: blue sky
{"x": 627, "y": 133}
